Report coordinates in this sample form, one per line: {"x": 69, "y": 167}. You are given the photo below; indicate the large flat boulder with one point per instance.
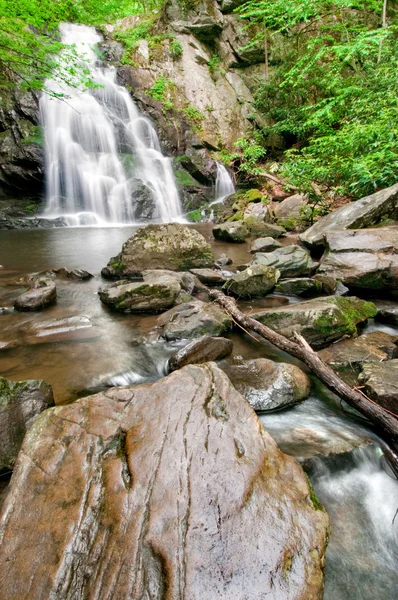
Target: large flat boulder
{"x": 140, "y": 296}
{"x": 20, "y": 401}
{"x": 380, "y": 381}
{"x": 363, "y": 258}
{"x": 291, "y": 261}
{"x": 357, "y": 215}
{"x": 255, "y": 281}
{"x": 204, "y": 349}
{"x": 170, "y": 490}
{"x": 172, "y": 246}
{"x": 194, "y": 319}
{"x": 41, "y": 294}
{"x": 320, "y": 321}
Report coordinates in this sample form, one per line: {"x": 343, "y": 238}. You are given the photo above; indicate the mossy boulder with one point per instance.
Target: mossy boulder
{"x": 235, "y": 232}
{"x": 172, "y": 246}
{"x": 300, "y": 286}
{"x": 320, "y": 321}
{"x": 140, "y": 296}
{"x": 194, "y": 319}
{"x": 20, "y": 401}
{"x": 253, "y": 282}
{"x": 258, "y": 228}
{"x": 291, "y": 261}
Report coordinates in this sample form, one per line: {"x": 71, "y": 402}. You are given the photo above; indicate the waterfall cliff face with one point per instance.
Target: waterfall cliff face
{"x": 103, "y": 159}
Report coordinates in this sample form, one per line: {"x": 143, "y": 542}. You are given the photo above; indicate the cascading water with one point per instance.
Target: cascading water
{"x": 224, "y": 185}
{"x": 103, "y": 158}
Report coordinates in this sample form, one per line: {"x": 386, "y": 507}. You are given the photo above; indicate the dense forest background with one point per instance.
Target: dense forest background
{"x": 328, "y": 92}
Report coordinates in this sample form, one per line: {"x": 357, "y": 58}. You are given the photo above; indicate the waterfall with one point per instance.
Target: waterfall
{"x": 224, "y": 185}
{"x": 103, "y": 159}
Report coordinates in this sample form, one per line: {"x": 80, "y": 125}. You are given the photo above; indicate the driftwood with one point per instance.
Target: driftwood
{"x": 385, "y": 422}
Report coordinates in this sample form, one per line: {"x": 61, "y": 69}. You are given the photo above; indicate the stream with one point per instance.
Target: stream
{"x": 342, "y": 455}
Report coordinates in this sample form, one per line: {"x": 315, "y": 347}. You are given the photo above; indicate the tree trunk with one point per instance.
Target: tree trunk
{"x": 384, "y": 422}
{"x": 383, "y": 24}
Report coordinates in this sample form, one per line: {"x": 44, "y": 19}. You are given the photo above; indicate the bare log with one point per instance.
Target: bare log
{"x": 384, "y": 422}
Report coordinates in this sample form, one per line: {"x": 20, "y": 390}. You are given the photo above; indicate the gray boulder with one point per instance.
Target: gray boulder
{"x": 357, "y": 215}
{"x": 205, "y": 349}
{"x": 235, "y": 232}
{"x": 256, "y": 280}
{"x": 320, "y": 321}
{"x": 290, "y": 207}
{"x": 268, "y": 385}
{"x": 20, "y": 401}
{"x": 259, "y": 228}
{"x": 194, "y": 319}
{"x": 265, "y": 244}
{"x": 42, "y": 293}
{"x": 140, "y": 296}
{"x": 187, "y": 281}
{"x": 210, "y": 276}
{"x": 172, "y": 246}
{"x": 388, "y": 315}
{"x": 291, "y": 261}
{"x": 300, "y": 286}
{"x": 363, "y": 259}
{"x": 381, "y": 383}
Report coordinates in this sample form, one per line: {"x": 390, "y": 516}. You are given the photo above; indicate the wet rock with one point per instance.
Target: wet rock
{"x": 140, "y": 296}
{"x": 320, "y": 321}
{"x": 209, "y": 276}
{"x": 363, "y": 258}
{"x": 20, "y": 401}
{"x": 256, "y": 210}
{"x": 144, "y": 203}
{"x": 254, "y": 281}
{"x": 205, "y": 349}
{"x": 42, "y": 293}
{"x": 300, "y": 286}
{"x": 291, "y": 261}
{"x": 223, "y": 261}
{"x": 76, "y": 274}
{"x": 265, "y": 244}
{"x": 140, "y": 490}
{"x": 357, "y": 215}
{"x": 173, "y": 246}
{"x": 290, "y": 207}
{"x": 388, "y": 315}
{"x": 258, "y": 228}
{"x": 380, "y": 381}
{"x": 7, "y": 222}
{"x": 268, "y": 385}
{"x": 194, "y": 319}
{"x": 187, "y": 281}
{"x": 59, "y": 330}
{"x": 347, "y": 356}
{"x": 235, "y": 232}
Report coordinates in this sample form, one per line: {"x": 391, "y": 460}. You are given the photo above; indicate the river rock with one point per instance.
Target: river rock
{"x": 194, "y": 319}
{"x": 61, "y": 273}
{"x": 256, "y": 210}
{"x": 300, "y": 286}
{"x": 290, "y": 207}
{"x": 381, "y": 383}
{"x": 268, "y": 385}
{"x": 172, "y": 246}
{"x": 347, "y": 356}
{"x": 223, "y": 261}
{"x": 363, "y": 259}
{"x": 258, "y": 228}
{"x": 140, "y": 296}
{"x": 205, "y": 349}
{"x": 235, "y": 232}
{"x": 265, "y": 244}
{"x": 42, "y": 293}
{"x": 356, "y": 215}
{"x": 320, "y": 321}
{"x": 59, "y": 330}
{"x": 20, "y": 401}
{"x": 187, "y": 281}
{"x": 388, "y": 315}
{"x": 291, "y": 261}
{"x": 210, "y": 276}
{"x": 159, "y": 491}
{"x": 256, "y": 280}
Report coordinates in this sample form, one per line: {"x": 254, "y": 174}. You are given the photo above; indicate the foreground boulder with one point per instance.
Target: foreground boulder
{"x": 380, "y": 381}
{"x": 320, "y": 321}
{"x": 140, "y": 296}
{"x": 172, "y": 246}
{"x": 194, "y": 319}
{"x": 42, "y": 293}
{"x": 20, "y": 401}
{"x": 291, "y": 261}
{"x": 253, "y": 282}
{"x": 205, "y": 349}
{"x": 268, "y": 385}
{"x": 300, "y": 286}
{"x": 357, "y": 215}
{"x": 166, "y": 490}
{"x": 363, "y": 259}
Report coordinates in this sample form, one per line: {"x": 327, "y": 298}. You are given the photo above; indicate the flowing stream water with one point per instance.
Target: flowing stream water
{"x": 224, "y": 185}
{"x": 102, "y": 156}
{"x": 342, "y": 455}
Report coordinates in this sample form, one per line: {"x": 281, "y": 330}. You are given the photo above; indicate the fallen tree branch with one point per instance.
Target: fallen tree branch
{"x": 384, "y": 422}
{"x": 276, "y": 180}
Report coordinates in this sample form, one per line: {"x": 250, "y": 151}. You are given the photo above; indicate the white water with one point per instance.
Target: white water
{"x": 224, "y": 185}
{"x": 100, "y": 151}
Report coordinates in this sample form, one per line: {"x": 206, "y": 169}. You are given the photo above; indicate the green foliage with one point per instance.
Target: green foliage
{"x": 175, "y": 48}
{"x": 184, "y": 178}
{"x": 194, "y": 116}
{"x": 331, "y": 91}
{"x": 160, "y": 88}
{"x": 195, "y": 216}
